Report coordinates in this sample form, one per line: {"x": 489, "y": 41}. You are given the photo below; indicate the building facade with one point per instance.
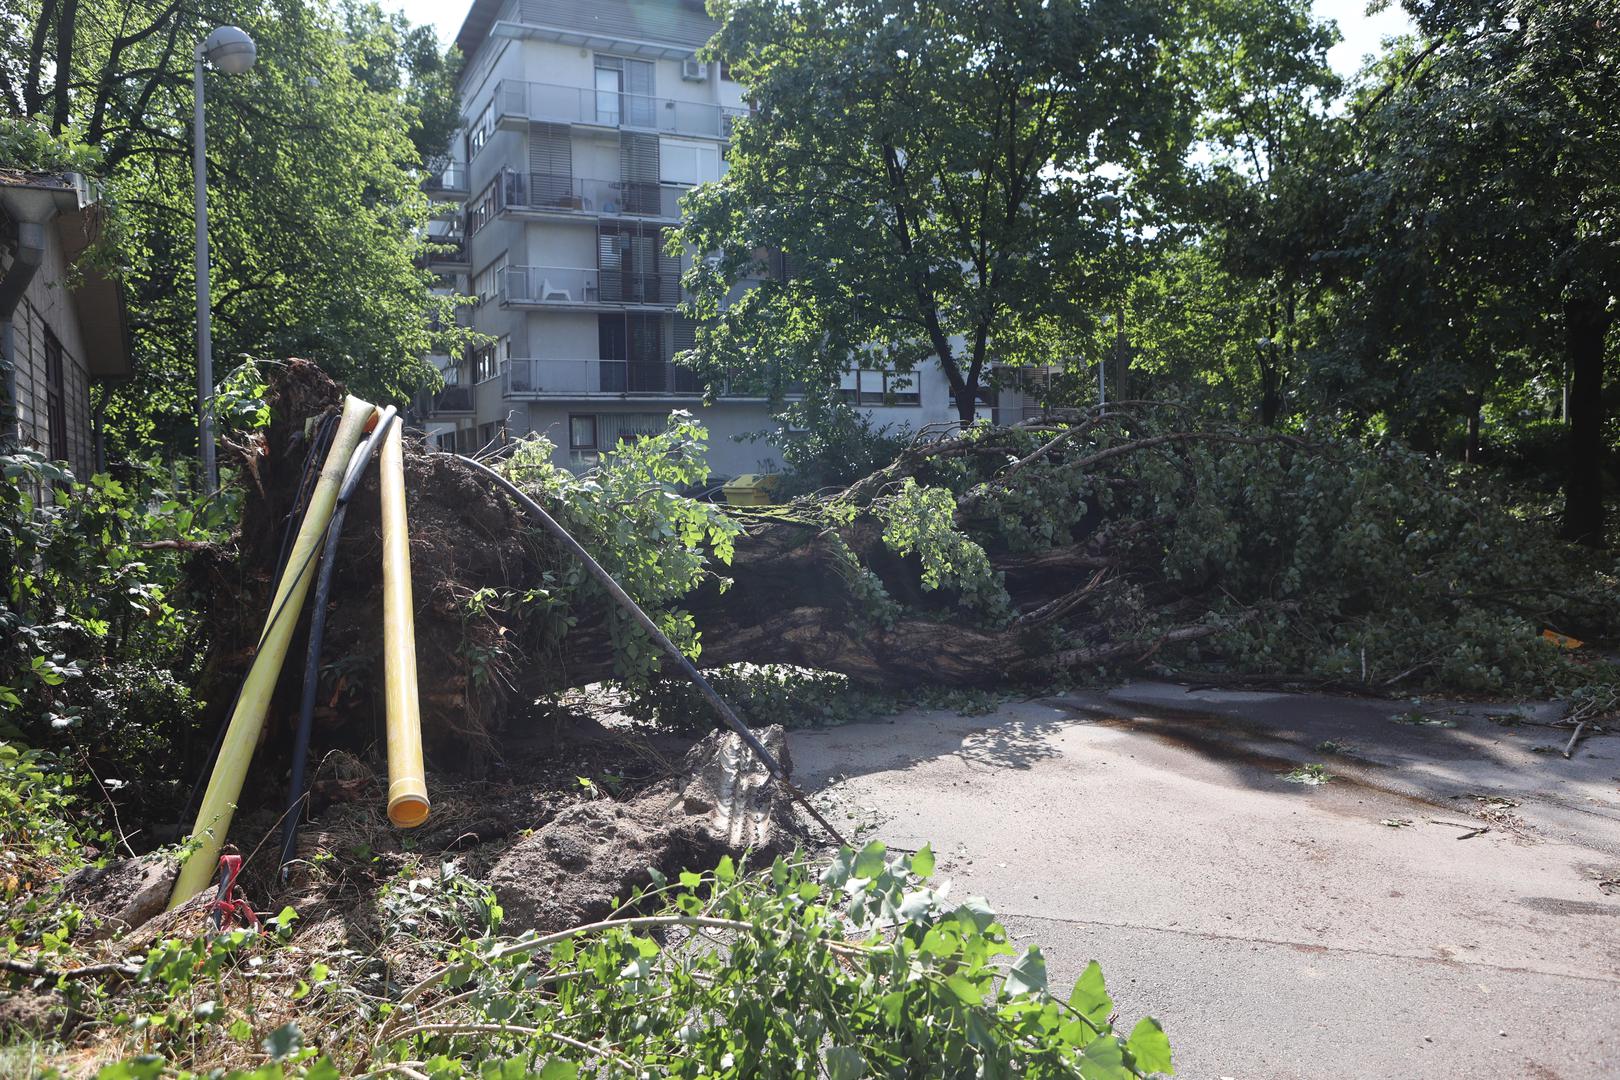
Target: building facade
{"x": 585, "y": 123}
{"x": 59, "y": 330}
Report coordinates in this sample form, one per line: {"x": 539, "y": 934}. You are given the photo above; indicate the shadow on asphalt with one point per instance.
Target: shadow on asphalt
{"x": 1408, "y": 761}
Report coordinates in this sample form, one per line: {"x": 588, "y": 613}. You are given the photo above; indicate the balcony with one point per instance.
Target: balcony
{"x": 546, "y": 193}
{"x": 524, "y": 102}
{"x": 451, "y": 401}
{"x": 567, "y": 286}
{"x": 533, "y": 379}
{"x": 447, "y": 179}
{"x": 446, "y": 254}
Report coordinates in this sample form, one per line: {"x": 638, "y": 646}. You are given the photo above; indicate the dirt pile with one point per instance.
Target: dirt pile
{"x": 721, "y": 802}
{"x": 122, "y": 895}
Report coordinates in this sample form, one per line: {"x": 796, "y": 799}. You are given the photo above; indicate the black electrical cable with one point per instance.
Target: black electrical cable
{"x": 605, "y": 579}
{"x": 318, "y": 448}
{"x": 297, "y": 787}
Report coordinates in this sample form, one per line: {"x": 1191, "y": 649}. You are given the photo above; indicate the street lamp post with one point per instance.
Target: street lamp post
{"x": 231, "y": 50}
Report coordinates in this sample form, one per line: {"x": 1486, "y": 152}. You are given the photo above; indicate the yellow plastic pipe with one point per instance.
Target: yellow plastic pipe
{"x": 408, "y": 804}
{"x": 247, "y": 720}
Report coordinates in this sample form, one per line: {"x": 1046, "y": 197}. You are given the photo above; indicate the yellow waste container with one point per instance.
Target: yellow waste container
{"x": 750, "y": 489}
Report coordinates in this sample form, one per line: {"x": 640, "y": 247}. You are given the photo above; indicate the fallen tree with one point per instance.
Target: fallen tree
{"x": 1124, "y": 541}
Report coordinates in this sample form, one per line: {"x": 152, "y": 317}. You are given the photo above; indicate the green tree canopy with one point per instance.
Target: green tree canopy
{"x": 933, "y": 181}
{"x": 1481, "y": 236}
{"x": 316, "y": 218}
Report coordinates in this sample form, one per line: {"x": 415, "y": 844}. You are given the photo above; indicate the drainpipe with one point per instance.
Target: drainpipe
{"x": 30, "y": 254}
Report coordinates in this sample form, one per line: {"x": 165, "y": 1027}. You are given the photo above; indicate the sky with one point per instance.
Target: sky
{"x": 1362, "y": 33}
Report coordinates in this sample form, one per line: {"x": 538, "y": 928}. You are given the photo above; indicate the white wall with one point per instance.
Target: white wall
{"x": 559, "y": 243}
{"x": 563, "y": 335}
{"x": 726, "y": 457}
{"x": 46, "y": 303}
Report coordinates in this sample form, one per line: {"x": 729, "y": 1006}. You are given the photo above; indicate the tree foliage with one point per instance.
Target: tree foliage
{"x": 861, "y": 966}
{"x": 1482, "y": 223}
{"x": 933, "y": 183}
{"x": 315, "y": 213}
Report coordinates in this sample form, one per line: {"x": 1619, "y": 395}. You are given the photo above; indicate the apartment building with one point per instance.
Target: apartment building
{"x": 585, "y": 122}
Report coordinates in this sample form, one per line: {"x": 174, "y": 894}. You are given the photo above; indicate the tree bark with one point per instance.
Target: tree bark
{"x": 65, "y": 28}
{"x": 1471, "y": 444}
{"x": 1586, "y": 327}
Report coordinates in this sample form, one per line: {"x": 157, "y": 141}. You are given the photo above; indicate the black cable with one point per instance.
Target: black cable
{"x": 297, "y": 787}
{"x": 605, "y": 579}
{"x": 317, "y": 451}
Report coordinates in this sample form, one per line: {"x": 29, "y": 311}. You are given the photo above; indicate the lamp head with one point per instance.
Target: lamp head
{"x": 230, "y": 50}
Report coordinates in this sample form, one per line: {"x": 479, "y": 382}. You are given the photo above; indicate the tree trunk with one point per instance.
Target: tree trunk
{"x": 1471, "y": 443}
{"x": 967, "y": 403}
{"x": 63, "y": 75}
{"x": 1586, "y": 326}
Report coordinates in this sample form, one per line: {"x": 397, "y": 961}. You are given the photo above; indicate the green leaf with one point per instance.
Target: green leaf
{"x": 1149, "y": 1047}
{"x": 869, "y": 863}
{"x": 976, "y": 911}
{"x": 284, "y": 1041}
{"x": 1090, "y": 997}
{"x": 558, "y": 1069}
{"x": 922, "y": 863}
{"x": 965, "y": 989}
{"x": 1028, "y": 975}
{"x": 322, "y": 1069}
{"x": 916, "y": 905}
{"x": 1104, "y": 1059}
{"x": 838, "y": 869}
{"x": 845, "y": 1063}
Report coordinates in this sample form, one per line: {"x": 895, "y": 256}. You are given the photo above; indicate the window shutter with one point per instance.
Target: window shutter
{"x": 638, "y": 172}
{"x": 551, "y": 164}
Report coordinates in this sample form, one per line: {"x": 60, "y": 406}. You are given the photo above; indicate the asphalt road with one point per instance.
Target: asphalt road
{"x": 1357, "y": 928}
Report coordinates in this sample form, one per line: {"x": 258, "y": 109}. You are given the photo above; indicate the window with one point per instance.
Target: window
{"x": 685, "y": 162}
{"x": 634, "y": 266}
{"x": 478, "y": 134}
{"x": 487, "y": 282}
{"x": 609, "y": 85}
{"x": 623, "y": 92}
{"x": 582, "y": 433}
{"x": 866, "y": 387}
{"x": 487, "y": 361}
{"x": 55, "y": 397}
{"x": 483, "y": 209}
{"x": 630, "y": 428}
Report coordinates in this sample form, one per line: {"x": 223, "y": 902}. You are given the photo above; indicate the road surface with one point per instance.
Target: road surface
{"x": 1357, "y": 928}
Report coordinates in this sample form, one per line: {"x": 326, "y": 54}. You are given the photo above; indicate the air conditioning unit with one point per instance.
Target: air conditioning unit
{"x": 694, "y": 70}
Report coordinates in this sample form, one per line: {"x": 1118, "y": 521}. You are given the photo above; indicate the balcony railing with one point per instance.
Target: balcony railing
{"x": 568, "y": 194}
{"x": 446, "y": 251}
{"x": 552, "y": 103}
{"x": 585, "y": 378}
{"x": 566, "y": 285}
{"x": 452, "y": 399}
{"x": 448, "y": 178}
